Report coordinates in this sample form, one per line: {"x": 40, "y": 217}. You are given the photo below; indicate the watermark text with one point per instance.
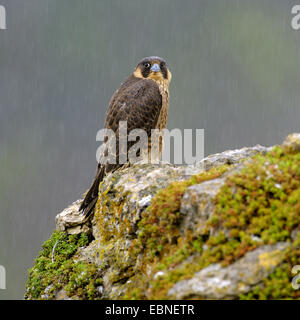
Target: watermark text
{"x": 2, "y": 18}
{"x": 152, "y": 147}
{"x": 295, "y": 23}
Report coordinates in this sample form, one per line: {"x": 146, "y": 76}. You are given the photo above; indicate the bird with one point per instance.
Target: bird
{"x": 143, "y": 102}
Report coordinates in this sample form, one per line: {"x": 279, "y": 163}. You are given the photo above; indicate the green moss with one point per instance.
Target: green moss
{"x": 278, "y": 284}
{"x": 260, "y": 204}
{"x": 158, "y": 227}
{"x": 262, "y": 200}
{"x": 158, "y": 235}
{"x": 57, "y": 269}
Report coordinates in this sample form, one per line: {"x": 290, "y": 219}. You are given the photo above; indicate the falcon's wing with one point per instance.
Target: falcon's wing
{"x": 139, "y": 103}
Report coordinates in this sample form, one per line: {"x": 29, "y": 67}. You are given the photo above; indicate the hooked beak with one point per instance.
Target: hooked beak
{"x": 155, "y": 68}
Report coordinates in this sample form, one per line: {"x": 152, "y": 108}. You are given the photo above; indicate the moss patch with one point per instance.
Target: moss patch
{"x": 278, "y": 284}
{"x": 158, "y": 227}
{"x": 57, "y": 269}
{"x": 263, "y": 198}
{"x": 260, "y": 204}
{"x": 158, "y": 235}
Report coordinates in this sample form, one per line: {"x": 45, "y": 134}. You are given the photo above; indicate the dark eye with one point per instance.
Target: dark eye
{"x": 163, "y": 64}
{"x": 147, "y": 65}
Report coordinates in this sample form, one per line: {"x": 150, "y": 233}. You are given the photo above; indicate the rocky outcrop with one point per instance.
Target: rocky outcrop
{"x": 225, "y": 228}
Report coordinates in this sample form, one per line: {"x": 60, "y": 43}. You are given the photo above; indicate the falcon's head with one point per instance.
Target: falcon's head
{"x": 154, "y": 68}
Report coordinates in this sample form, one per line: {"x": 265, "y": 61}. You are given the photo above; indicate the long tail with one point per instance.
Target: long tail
{"x": 89, "y": 202}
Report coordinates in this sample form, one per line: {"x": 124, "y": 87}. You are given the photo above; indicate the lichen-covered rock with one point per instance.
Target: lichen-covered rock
{"x": 197, "y": 205}
{"x": 225, "y": 228}
{"x": 292, "y": 141}
{"x": 231, "y": 156}
{"x": 71, "y": 220}
{"x": 217, "y": 282}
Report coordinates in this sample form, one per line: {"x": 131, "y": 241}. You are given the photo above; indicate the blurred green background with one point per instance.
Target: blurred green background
{"x": 235, "y": 68}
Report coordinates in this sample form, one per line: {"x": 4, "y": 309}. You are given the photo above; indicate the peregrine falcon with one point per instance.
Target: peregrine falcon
{"x": 142, "y": 101}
